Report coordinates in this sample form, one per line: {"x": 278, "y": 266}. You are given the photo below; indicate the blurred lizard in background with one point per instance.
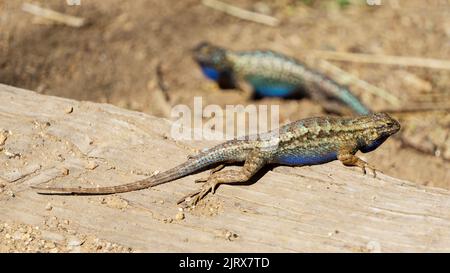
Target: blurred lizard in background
{"x": 271, "y": 74}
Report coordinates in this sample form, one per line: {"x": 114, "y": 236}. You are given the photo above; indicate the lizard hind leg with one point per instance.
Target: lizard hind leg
{"x": 211, "y": 183}
{"x": 253, "y": 164}
{"x": 349, "y": 159}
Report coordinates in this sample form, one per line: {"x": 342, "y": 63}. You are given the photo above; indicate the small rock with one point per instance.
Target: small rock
{"x": 108, "y": 246}
{"x": 17, "y": 235}
{"x": 179, "y": 216}
{"x": 68, "y": 110}
{"x": 74, "y": 242}
{"x": 49, "y": 245}
{"x": 115, "y": 202}
{"x": 11, "y": 155}
{"x": 65, "y": 171}
{"x": 48, "y": 206}
{"x": 168, "y": 220}
{"x": 3, "y": 138}
{"x": 91, "y": 165}
{"x": 230, "y": 236}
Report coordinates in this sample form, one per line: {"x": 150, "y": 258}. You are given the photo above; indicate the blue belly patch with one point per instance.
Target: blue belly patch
{"x": 306, "y": 159}
{"x": 274, "y": 91}
{"x": 372, "y": 146}
{"x": 268, "y": 88}
{"x": 211, "y": 73}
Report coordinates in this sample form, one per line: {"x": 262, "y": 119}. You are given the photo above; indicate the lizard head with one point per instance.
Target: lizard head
{"x": 211, "y": 56}
{"x": 379, "y": 127}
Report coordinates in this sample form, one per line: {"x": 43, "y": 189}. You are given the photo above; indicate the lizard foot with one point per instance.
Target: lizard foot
{"x": 196, "y": 196}
{"x": 374, "y": 171}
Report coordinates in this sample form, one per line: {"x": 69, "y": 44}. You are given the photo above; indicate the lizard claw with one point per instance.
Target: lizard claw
{"x": 200, "y": 194}
{"x": 374, "y": 171}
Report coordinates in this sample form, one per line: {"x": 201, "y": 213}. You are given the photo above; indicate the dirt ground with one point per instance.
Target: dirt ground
{"x": 114, "y": 59}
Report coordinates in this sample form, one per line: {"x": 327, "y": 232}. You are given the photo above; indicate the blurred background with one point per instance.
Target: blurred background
{"x": 394, "y": 54}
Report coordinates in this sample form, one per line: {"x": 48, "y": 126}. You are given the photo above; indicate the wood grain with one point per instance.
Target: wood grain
{"x": 321, "y": 208}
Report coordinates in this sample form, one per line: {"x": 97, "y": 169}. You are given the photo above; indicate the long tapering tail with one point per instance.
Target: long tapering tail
{"x": 192, "y": 165}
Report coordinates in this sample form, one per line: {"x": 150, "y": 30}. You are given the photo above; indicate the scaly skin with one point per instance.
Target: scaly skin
{"x": 271, "y": 74}
{"x": 305, "y": 142}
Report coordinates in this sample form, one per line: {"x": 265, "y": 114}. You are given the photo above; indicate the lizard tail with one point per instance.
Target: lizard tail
{"x": 192, "y": 165}
{"x": 353, "y": 102}
{"x": 334, "y": 89}
{"x": 142, "y": 184}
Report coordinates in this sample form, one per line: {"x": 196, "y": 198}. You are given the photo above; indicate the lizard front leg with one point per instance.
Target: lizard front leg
{"x": 350, "y": 159}
{"x": 254, "y": 162}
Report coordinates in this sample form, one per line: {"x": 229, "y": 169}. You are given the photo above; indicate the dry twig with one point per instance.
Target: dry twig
{"x": 382, "y": 59}
{"x": 348, "y": 78}
{"x": 242, "y": 13}
{"x": 53, "y": 15}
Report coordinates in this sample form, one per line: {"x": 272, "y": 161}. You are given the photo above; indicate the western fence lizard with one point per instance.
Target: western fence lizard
{"x": 271, "y": 74}
{"x": 305, "y": 142}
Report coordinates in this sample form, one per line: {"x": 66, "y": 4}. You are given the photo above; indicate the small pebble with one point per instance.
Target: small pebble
{"x": 17, "y": 235}
{"x": 3, "y": 138}
{"x": 48, "y": 206}
{"x": 50, "y": 245}
{"x": 74, "y": 242}
{"x": 179, "y": 216}
{"x": 65, "y": 171}
{"x": 68, "y": 110}
{"x": 108, "y": 246}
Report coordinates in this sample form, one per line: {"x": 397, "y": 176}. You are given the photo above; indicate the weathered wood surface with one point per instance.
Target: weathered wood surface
{"x": 320, "y": 208}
